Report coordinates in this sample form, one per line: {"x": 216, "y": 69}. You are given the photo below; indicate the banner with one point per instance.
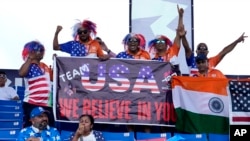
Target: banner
{"x": 113, "y": 91}
{"x": 240, "y": 102}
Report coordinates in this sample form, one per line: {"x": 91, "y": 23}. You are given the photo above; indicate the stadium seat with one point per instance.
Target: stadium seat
{"x": 218, "y": 137}
{"x": 118, "y": 136}
{"x": 66, "y": 135}
{"x": 155, "y": 136}
{"x": 6, "y": 125}
{"x": 20, "y": 91}
{"x": 192, "y": 137}
{"x": 11, "y": 116}
{"x": 8, "y": 108}
{"x": 9, "y": 135}
{"x": 10, "y": 102}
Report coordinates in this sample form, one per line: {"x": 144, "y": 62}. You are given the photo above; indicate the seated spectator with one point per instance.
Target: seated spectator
{"x": 39, "y": 130}
{"x": 6, "y": 93}
{"x": 85, "y": 130}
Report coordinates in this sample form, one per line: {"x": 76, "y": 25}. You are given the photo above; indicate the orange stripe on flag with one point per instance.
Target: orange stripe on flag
{"x": 202, "y": 84}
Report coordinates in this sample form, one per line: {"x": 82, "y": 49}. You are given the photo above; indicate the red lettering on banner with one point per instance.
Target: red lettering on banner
{"x": 106, "y": 109}
{"x": 62, "y": 112}
{"x": 75, "y": 108}
{"x": 102, "y": 109}
{"x": 120, "y": 110}
{"x": 86, "y": 109}
{"x": 165, "y": 110}
{"x": 113, "y": 106}
{"x": 144, "y": 110}
{"x": 127, "y": 110}
{"x": 66, "y": 107}
{"x": 94, "y": 107}
{"x": 117, "y": 109}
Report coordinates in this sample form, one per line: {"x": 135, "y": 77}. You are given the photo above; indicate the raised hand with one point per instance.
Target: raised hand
{"x": 242, "y": 37}
{"x": 180, "y": 11}
{"x": 58, "y": 28}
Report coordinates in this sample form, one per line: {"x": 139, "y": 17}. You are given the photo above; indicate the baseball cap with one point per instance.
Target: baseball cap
{"x": 37, "y": 111}
{"x": 200, "y": 57}
{"x": 202, "y": 46}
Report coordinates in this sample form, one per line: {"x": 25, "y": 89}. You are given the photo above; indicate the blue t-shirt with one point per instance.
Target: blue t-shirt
{"x": 74, "y": 48}
{"x": 124, "y": 55}
{"x": 49, "y": 134}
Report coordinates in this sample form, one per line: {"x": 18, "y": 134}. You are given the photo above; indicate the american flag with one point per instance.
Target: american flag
{"x": 117, "y": 73}
{"x": 94, "y": 84}
{"x": 122, "y": 79}
{"x": 146, "y": 74}
{"x": 39, "y": 86}
{"x": 240, "y": 102}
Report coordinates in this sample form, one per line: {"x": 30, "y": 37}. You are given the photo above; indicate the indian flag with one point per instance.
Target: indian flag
{"x": 201, "y": 104}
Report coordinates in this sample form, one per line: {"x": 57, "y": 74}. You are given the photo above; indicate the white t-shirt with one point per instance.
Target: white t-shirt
{"x": 90, "y": 137}
{"x": 7, "y": 93}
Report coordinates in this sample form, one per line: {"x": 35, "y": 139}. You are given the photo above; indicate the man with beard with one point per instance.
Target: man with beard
{"x": 39, "y": 130}
{"x": 83, "y": 43}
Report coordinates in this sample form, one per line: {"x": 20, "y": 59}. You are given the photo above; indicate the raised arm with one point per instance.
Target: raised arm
{"x": 185, "y": 44}
{"x": 231, "y": 46}
{"x": 55, "y": 40}
{"x": 177, "y": 38}
{"x": 26, "y": 65}
{"x": 105, "y": 47}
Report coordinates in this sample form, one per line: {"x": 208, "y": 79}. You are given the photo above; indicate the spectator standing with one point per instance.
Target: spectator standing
{"x": 162, "y": 49}
{"x": 133, "y": 50}
{"x": 83, "y": 43}
{"x": 38, "y": 86}
{"x": 204, "y": 70}
{"x": 212, "y": 61}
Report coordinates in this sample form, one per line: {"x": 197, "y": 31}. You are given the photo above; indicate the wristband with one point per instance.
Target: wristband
{"x": 108, "y": 51}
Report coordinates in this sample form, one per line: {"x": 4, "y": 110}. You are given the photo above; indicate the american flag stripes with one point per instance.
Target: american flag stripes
{"x": 240, "y": 102}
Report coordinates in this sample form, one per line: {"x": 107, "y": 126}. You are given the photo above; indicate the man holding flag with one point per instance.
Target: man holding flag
{"x": 201, "y": 103}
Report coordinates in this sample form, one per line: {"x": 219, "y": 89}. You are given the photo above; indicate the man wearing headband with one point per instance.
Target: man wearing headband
{"x": 6, "y": 93}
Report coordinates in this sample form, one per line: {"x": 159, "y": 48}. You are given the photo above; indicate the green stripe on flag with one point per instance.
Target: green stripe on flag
{"x": 199, "y": 123}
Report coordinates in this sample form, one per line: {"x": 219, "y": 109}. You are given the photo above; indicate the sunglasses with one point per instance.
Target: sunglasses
{"x": 160, "y": 42}
{"x": 133, "y": 40}
{"x": 201, "y": 62}
{"x": 2, "y": 76}
{"x": 202, "y": 48}
{"x": 79, "y": 32}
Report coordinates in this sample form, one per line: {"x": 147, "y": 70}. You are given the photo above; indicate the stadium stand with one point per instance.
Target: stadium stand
{"x": 11, "y": 119}
{"x": 149, "y": 136}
